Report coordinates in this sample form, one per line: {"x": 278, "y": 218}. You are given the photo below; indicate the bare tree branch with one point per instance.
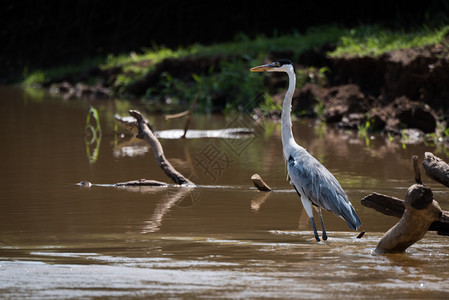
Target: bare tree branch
{"x": 164, "y": 164}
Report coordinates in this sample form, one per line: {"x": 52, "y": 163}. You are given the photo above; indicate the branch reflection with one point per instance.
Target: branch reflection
{"x": 257, "y": 202}
{"x": 163, "y": 207}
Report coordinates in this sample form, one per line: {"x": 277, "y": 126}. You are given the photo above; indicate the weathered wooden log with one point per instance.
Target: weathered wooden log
{"x": 441, "y": 226}
{"x": 436, "y": 168}
{"x": 259, "y": 183}
{"x": 142, "y": 182}
{"x": 164, "y": 164}
{"x": 420, "y": 212}
{"x": 392, "y": 206}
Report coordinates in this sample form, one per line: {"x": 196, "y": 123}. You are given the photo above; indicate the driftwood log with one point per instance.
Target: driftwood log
{"x": 259, "y": 183}
{"x": 395, "y": 207}
{"x": 419, "y": 212}
{"x": 164, "y": 164}
{"x": 142, "y": 182}
{"x": 145, "y": 132}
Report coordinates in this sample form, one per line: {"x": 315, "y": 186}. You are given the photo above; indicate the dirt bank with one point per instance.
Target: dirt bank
{"x": 401, "y": 89}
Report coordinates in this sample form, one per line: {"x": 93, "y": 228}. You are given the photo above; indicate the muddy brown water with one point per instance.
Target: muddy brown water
{"x": 223, "y": 239}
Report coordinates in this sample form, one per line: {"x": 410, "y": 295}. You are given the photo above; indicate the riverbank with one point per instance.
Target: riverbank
{"x": 366, "y": 78}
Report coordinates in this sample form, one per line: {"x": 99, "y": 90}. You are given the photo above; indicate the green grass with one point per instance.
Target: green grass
{"x": 32, "y": 77}
{"x": 262, "y": 45}
{"x": 233, "y": 82}
{"x": 133, "y": 61}
{"x": 364, "y": 40}
{"x": 374, "y": 40}
{"x": 241, "y": 46}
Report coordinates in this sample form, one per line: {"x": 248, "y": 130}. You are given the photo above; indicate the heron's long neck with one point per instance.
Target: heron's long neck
{"x": 286, "y": 124}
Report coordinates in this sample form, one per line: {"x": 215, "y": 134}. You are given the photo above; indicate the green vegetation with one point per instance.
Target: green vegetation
{"x": 374, "y": 40}
{"x": 42, "y": 76}
{"x": 94, "y": 131}
{"x": 229, "y": 84}
{"x": 440, "y": 134}
{"x": 269, "y": 105}
{"x": 364, "y": 131}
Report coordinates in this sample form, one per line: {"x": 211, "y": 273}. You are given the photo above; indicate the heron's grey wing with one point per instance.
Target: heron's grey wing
{"x": 312, "y": 180}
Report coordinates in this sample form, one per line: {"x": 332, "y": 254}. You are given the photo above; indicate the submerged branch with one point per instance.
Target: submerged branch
{"x": 420, "y": 212}
{"x": 142, "y": 182}
{"x": 392, "y": 206}
{"x": 164, "y": 164}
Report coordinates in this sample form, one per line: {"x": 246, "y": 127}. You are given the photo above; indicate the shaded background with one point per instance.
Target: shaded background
{"x": 38, "y": 33}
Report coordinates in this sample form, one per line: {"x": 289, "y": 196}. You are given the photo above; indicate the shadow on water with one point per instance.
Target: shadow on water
{"x": 221, "y": 239}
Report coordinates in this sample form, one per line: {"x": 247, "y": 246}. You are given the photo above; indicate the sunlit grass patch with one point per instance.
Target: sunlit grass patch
{"x": 374, "y": 40}
{"x": 39, "y": 76}
{"x": 242, "y": 45}
{"x": 230, "y": 80}
{"x": 296, "y": 43}
{"x": 152, "y": 56}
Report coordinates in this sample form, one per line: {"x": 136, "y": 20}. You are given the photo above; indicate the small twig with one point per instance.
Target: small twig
{"x": 178, "y": 115}
{"x": 189, "y": 117}
{"x": 361, "y": 234}
{"x": 187, "y": 113}
{"x": 416, "y": 169}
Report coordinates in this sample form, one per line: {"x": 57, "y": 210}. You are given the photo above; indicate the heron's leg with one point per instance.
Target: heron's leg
{"x": 308, "y": 207}
{"x": 322, "y": 225}
{"x": 314, "y": 230}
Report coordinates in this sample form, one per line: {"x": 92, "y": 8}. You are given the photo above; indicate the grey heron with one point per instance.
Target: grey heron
{"x": 316, "y": 186}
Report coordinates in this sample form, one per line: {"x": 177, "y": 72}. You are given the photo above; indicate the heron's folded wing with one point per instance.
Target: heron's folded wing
{"x": 312, "y": 180}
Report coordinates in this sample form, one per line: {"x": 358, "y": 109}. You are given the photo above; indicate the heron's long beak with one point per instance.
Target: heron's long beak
{"x": 263, "y": 68}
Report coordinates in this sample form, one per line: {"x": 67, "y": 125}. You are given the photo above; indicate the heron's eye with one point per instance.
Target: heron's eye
{"x": 277, "y": 64}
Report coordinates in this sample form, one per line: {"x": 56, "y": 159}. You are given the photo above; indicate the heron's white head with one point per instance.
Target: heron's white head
{"x": 282, "y": 65}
